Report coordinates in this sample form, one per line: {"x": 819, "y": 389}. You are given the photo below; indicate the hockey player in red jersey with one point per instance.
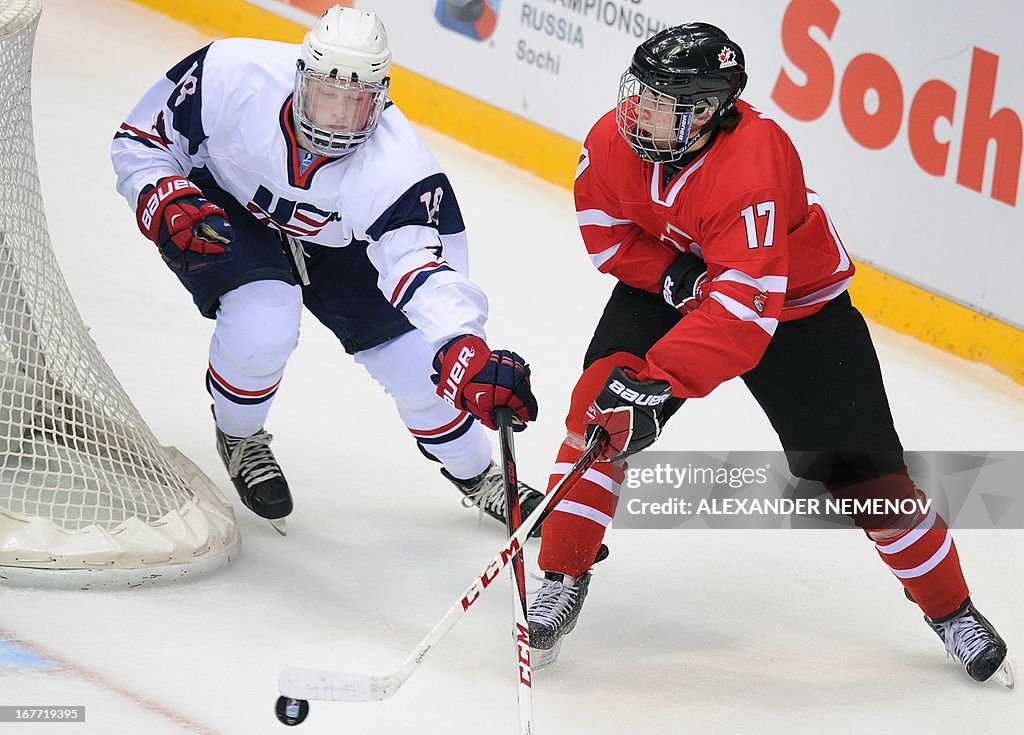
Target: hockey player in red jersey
{"x": 728, "y": 265}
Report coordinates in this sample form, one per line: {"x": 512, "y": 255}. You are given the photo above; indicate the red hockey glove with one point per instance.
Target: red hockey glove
{"x": 473, "y": 378}
{"x": 682, "y": 282}
{"x": 630, "y": 411}
{"x": 190, "y": 232}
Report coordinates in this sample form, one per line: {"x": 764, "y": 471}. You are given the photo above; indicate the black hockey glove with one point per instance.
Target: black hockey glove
{"x": 682, "y": 281}
{"x": 630, "y": 411}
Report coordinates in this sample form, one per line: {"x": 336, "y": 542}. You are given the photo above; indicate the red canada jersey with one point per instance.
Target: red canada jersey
{"x": 771, "y": 250}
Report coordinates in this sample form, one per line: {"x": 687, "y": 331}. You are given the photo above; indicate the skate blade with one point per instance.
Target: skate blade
{"x": 279, "y": 525}
{"x": 541, "y": 657}
{"x": 1004, "y": 674}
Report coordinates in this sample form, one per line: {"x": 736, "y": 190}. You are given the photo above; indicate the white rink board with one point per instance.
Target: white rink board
{"x": 557, "y": 63}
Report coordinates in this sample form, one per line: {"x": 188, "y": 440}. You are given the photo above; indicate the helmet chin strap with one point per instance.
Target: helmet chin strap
{"x": 703, "y": 133}
{"x": 706, "y": 130}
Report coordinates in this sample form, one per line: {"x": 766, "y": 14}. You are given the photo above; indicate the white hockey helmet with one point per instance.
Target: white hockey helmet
{"x": 341, "y": 80}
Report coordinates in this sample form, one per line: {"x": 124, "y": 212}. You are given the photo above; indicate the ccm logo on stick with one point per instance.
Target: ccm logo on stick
{"x": 491, "y": 573}
{"x": 523, "y": 647}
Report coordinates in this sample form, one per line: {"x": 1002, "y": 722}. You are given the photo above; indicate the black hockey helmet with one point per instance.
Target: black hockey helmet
{"x": 696, "y": 65}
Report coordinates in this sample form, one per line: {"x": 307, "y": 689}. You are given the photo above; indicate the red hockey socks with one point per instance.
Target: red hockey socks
{"x": 574, "y": 531}
{"x": 918, "y": 550}
{"x": 924, "y": 559}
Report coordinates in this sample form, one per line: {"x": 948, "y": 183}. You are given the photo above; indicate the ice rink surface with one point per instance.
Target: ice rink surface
{"x": 685, "y": 631}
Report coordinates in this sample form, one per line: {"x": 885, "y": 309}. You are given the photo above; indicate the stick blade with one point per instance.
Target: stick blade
{"x": 324, "y": 685}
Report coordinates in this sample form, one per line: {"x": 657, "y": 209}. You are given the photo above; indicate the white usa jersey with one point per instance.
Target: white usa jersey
{"x": 222, "y": 116}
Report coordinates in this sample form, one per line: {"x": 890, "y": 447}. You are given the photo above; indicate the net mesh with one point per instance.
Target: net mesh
{"x": 74, "y": 451}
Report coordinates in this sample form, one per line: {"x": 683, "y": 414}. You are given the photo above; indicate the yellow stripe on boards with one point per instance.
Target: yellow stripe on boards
{"x": 487, "y": 128}
{"x": 547, "y": 154}
{"x": 938, "y": 321}
{"x": 229, "y": 18}
{"x": 881, "y": 297}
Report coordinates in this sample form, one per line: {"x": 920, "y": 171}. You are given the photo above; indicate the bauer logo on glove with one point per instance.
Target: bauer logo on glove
{"x": 473, "y": 378}
{"x": 634, "y": 396}
{"x": 159, "y": 194}
{"x": 630, "y": 411}
{"x": 456, "y": 374}
{"x": 191, "y": 232}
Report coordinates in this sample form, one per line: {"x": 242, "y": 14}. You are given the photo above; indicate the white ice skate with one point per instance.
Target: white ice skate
{"x": 486, "y": 492}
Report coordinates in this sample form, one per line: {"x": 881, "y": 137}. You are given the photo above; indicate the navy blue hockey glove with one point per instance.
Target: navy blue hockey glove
{"x": 682, "y": 282}
{"x": 630, "y": 411}
{"x": 473, "y": 378}
{"x": 190, "y": 232}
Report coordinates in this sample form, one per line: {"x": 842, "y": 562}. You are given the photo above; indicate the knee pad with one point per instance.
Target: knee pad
{"x": 891, "y": 504}
{"x": 258, "y": 327}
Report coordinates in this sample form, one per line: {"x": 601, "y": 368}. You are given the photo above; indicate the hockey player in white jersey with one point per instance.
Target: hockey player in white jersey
{"x": 272, "y": 176}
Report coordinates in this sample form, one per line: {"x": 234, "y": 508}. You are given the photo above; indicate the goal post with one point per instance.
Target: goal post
{"x": 88, "y": 497}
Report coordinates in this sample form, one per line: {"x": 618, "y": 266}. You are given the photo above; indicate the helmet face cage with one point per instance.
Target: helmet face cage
{"x": 676, "y": 77}
{"x": 658, "y": 125}
{"x": 335, "y": 115}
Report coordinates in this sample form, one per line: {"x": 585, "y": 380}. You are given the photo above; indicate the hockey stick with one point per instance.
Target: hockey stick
{"x": 298, "y": 685}
{"x": 521, "y": 631}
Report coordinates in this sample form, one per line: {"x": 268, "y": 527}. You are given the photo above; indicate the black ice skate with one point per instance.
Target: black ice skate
{"x": 257, "y": 476}
{"x": 972, "y": 641}
{"x": 487, "y": 492}
{"x": 554, "y": 612}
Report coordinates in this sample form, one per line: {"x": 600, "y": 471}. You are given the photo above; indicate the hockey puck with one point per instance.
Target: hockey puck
{"x": 290, "y": 711}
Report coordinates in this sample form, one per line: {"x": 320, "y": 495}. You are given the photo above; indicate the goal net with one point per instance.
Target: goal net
{"x": 88, "y": 497}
